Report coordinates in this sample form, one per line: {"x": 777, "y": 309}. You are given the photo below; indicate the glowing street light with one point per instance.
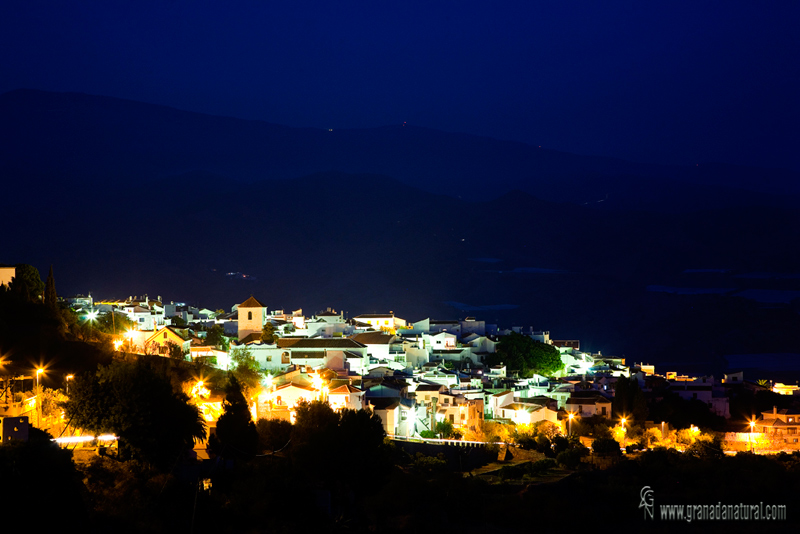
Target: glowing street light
{"x": 570, "y": 416}
{"x": 38, "y": 372}
{"x": 624, "y": 432}
{"x": 69, "y": 377}
{"x": 90, "y": 318}
{"x": 199, "y": 390}
{"x": 752, "y": 426}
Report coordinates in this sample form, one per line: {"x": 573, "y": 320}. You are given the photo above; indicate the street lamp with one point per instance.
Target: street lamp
{"x": 38, "y": 399}
{"x": 69, "y": 377}
{"x": 90, "y": 318}
{"x": 570, "y": 416}
{"x": 752, "y": 426}
{"x": 624, "y": 431}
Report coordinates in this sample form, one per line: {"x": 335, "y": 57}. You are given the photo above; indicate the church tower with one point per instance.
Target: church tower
{"x": 252, "y": 315}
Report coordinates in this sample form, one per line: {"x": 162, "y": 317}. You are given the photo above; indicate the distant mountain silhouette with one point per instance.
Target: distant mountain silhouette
{"x": 126, "y": 198}
{"x": 102, "y": 140}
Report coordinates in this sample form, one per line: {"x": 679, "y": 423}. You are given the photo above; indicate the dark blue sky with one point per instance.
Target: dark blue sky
{"x": 677, "y": 82}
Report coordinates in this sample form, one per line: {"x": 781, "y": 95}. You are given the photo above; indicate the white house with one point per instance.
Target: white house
{"x": 495, "y": 401}
{"x": 523, "y": 413}
{"x": 143, "y": 318}
{"x": 346, "y": 396}
{"x": 378, "y": 344}
{"x": 386, "y": 321}
{"x": 589, "y": 406}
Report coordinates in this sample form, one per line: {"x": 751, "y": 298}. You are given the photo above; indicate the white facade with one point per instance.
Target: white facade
{"x": 379, "y": 321}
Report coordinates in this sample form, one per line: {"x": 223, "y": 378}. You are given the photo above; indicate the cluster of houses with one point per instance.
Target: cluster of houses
{"x": 413, "y": 374}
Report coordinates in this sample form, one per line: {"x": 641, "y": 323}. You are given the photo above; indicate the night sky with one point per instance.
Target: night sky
{"x": 677, "y": 82}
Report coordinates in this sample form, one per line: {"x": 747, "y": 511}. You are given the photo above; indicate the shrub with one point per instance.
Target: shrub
{"x": 570, "y": 459}
{"x": 541, "y": 467}
{"x": 606, "y": 446}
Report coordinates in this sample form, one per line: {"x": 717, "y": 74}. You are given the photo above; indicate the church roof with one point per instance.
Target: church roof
{"x": 251, "y": 303}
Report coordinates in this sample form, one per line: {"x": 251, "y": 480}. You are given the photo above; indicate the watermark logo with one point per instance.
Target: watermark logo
{"x": 709, "y": 512}
{"x": 646, "y": 502}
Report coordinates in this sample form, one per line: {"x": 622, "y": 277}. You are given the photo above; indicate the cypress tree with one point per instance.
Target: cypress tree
{"x": 236, "y": 435}
{"x": 50, "y": 298}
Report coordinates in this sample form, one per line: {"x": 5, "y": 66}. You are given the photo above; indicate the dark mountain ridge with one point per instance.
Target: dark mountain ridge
{"x": 100, "y": 139}
{"x": 127, "y": 198}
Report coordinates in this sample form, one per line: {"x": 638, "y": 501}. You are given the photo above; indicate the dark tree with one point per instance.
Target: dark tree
{"x": 40, "y": 482}
{"x": 236, "y": 435}
{"x": 322, "y": 438}
{"x": 606, "y": 446}
{"x": 113, "y": 323}
{"x": 273, "y": 434}
{"x": 629, "y": 401}
{"x": 27, "y": 283}
{"x": 268, "y": 333}
{"x": 682, "y": 413}
{"x": 215, "y": 336}
{"x": 154, "y": 423}
{"x": 524, "y": 354}
{"x": 50, "y": 297}
{"x": 445, "y": 430}
{"x": 246, "y": 370}
{"x": 314, "y": 437}
{"x": 175, "y": 351}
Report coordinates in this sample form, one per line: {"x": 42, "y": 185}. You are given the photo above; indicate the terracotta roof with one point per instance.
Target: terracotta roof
{"x": 359, "y": 324}
{"x": 306, "y": 354}
{"x": 373, "y": 315}
{"x": 784, "y": 411}
{"x": 250, "y": 338}
{"x": 319, "y": 343}
{"x": 373, "y": 338}
{"x": 251, "y": 303}
{"x": 430, "y": 387}
{"x": 347, "y": 388}
{"x": 385, "y": 403}
{"x": 339, "y": 382}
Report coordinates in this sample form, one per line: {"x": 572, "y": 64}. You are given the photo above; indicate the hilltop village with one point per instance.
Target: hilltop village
{"x": 445, "y": 379}
{"x": 142, "y": 415}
